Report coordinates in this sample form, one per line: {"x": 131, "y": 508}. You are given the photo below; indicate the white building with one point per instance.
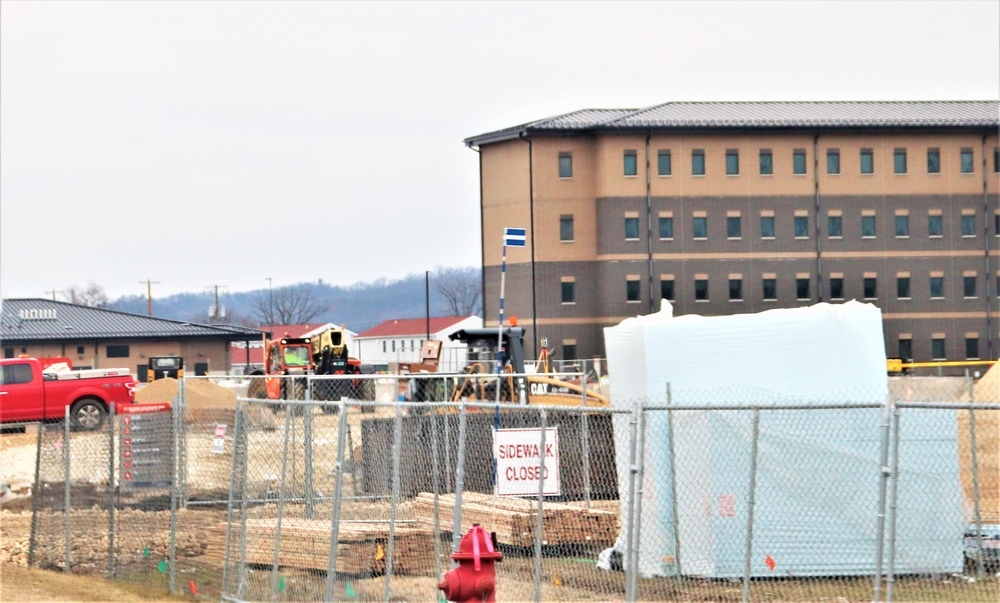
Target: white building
{"x": 399, "y": 340}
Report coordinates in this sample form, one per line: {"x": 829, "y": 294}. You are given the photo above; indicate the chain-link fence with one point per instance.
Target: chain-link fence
{"x": 341, "y": 491}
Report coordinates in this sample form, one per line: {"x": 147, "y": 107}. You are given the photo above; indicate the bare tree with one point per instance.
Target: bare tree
{"x": 287, "y": 306}
{"x": 92, "y": 295}
{"x": 461, "y": 288}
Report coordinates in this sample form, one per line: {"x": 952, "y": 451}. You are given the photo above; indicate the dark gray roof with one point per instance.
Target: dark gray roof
{"x": 840, "y": 114}
{"x": 26, "y": 320}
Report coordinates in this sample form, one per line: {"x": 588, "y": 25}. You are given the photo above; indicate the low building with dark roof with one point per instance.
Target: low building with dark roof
{"x": 101, "y": 338}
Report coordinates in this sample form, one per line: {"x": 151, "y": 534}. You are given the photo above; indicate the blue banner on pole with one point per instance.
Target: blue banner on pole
{"x": 514, "y": 237}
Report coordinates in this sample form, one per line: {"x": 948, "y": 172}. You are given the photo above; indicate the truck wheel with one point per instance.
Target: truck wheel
{"x": 88, "y": 414}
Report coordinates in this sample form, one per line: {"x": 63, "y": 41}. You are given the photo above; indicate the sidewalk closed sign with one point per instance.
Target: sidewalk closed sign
{"x": 518, "y": 454}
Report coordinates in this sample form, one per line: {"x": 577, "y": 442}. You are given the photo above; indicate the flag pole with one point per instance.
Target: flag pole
{"x": 503, "y": 278}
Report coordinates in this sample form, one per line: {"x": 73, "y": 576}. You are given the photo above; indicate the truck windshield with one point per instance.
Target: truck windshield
{"x": 165, "y": 363}
{"x": 296, "y": 355}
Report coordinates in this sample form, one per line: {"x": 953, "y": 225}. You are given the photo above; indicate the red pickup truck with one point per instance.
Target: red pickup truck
{"x": 31, "y": 391}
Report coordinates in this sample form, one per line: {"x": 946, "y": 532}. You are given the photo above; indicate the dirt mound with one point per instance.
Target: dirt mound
{"x": 987, "y": 389}
{"x": 199, "y": 393}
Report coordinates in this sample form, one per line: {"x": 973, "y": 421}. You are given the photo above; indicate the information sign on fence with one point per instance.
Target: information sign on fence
{"x": 518, "y": 454}
{"x": 146, "y": 445}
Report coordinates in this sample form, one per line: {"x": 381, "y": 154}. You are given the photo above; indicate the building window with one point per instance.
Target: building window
{"x": 906, "y": 349}
{"x": 799, "y": 161}
{"x": 868, "y": 226}
{"x": 566, "y": 228}
{"x": 79, "y": 349}
{"x": 767, "y": 227}
{"x": 631, "y": 229}
{"x": 766, "y": 162}
{"x": 8, "y": 352}
{"x": 700, "y": 224}
{"x": 969, "y": 286}
{"x": 568, "y": 292}
{"x": 802, "y": 288}
{"x": 632, "y": 290}
{"x": 569, "y": 351}
{"x": 899, "y": 161}
{"x": 663, "y": 167}
{"x": 996, "y": 225}
{"x": 117, "y": 351}
{"x": 565, "y": 165}
{"x": 698, "y": 162}
{"x": 393, "y": 345}
{"x": 770, "y": 289}
{"x": 903, "y": 287}
{"x": 902, "y": 226}
{"x": 835, "y": 224}
{"x": 996, "y": 161}
{"x": 667, "y": 289}
{"x": 836, "y": 287}
{"x": 801, "y": 227}
{"x": 732, "y": 162}
{"x": 733, "y": 229}
{"x": 871, "y": 287}
{"x": 735, "y": 289}
{"x": 938, "y": 349}
{"x": 935, "y": 225}
{"x": 937, "y": 287}
{"x": 965, "y": 157}
{"x": 933, "y": 161}
{"x": 971, "y": 348}
{"x": 833, "y": 161}
{"x": 383, "y": 346}
{"x": 969, "y": 225}
{"x": 666, "y": 227}
{"x": 701, "y": 289}
{"x": 867, "y": 161}
{"x": 631, "y": 165}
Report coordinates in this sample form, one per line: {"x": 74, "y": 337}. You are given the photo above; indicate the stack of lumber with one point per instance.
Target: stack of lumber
{"x": 305, "y": 544}
{"x": 514, "y": 519}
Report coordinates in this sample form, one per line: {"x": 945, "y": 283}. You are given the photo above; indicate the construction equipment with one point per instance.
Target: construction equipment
{"x": 162, "y": 367}
{"x": 322, "y": 354}
{"x": 543, "y": 387}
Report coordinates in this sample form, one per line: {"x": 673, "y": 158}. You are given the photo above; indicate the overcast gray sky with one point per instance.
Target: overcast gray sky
{"x": 182, "y": 141}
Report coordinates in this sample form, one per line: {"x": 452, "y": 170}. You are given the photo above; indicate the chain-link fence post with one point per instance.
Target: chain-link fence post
{"x": 176, "y": 415}
{"x": 181, "y": 440}
{"x": 884, "y": 474}
{"x": 630, "y": 547}
{"x": 671, "y": 450}
{"x": 585, "y": 441}
{"x": 66, "y": 487}
{"x": 543, "y": 419}
{"x": 456, "y": 537}
{"x": 238, "y": 433}
{"x": 893, "y": 491}
{"x": 289, "y": 412}
{"x": 436, "y": 486}
{"x": 338, "y": 497}
{"x": 975, "y": 478}
{"x": 307, "y": 424}
{"x": 111, "y": 491}
{"x": 36, "y": 497}
{"x": 244, "y": 504}
{"x": 397, "y": 445}
{"x": 750, "y": 505}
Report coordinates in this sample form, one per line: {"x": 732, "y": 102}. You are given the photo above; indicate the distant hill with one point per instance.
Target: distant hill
{"x": 358, "y": 307}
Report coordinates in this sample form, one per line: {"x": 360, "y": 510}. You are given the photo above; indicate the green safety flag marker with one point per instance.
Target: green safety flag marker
{"x": 145, "y": 552}
{"x": 441, "y": 598}
{"x": 281, "y": 583}
{"x": 162, "y": 566}
{"x": 350, "y": 591}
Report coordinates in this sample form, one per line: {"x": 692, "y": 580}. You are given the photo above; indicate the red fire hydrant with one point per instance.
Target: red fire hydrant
{"x": 474, "y": 580}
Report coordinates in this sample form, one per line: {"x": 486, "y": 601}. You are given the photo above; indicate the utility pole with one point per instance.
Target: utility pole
{"x": 149, "y": 295}
{"x": 215, "y": 310}
{"x": 270, "y": 302}
{"x": 53, "y": 292}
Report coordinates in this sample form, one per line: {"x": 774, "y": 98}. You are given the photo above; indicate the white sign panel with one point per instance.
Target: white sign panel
{"x": 518, "y": 454}
{"x": 219, "y": 445}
